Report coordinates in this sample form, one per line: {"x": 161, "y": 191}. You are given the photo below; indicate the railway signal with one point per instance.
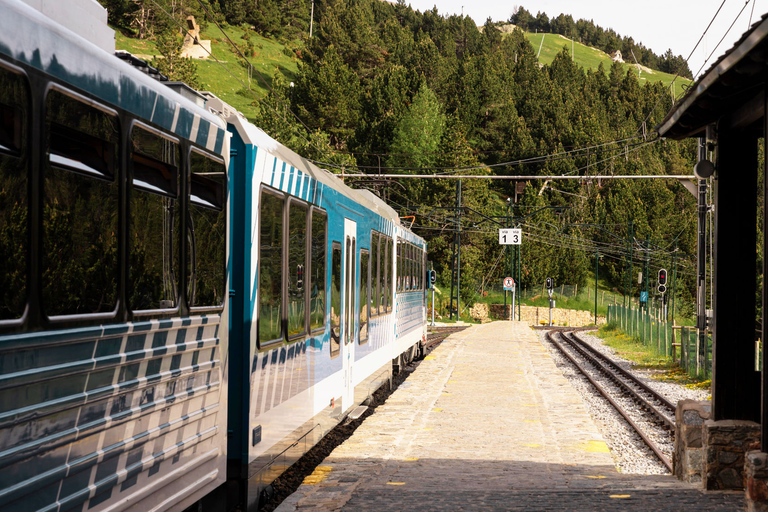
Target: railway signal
{"x": 662, "y": 280}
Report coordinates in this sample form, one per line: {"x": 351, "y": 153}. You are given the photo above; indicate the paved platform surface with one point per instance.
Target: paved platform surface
{"x": 487, "y": 422}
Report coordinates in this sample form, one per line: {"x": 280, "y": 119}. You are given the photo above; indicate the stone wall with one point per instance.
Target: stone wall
{"x": 538, "y": 316}
{"x": 725, "y": 445}
{"x": 688, "y": 459}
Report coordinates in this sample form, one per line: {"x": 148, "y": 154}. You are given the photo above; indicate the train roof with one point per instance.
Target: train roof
{"x": 252, "y": 134}
{"x": 32, "y": 38}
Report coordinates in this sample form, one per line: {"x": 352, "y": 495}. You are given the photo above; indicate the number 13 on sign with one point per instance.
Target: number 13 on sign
{"x": 510, "y": 236}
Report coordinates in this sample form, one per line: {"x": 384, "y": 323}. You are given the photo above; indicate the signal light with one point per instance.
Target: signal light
{"x": 662, "y": 289}
{"x": 550, "y": 283}
{"x": 662, "y": 277}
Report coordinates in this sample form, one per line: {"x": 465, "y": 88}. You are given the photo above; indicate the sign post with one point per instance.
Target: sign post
{"x": 550, "y": 288}
{"x": 509, "y": 284}
{"x": 432, "y": 281}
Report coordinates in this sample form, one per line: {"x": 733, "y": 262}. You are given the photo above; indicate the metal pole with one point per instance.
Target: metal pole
{"x": 433, "y": 305}
{"x": 631, "y": 256}
{"x": 311, "y": 19}
{"x": 674, "y": 279}
{"x": 596, "y": 270}
{"x": 519, "y": 265}
{"x": 701, "y": 264}
{"x": 458, "y": 259}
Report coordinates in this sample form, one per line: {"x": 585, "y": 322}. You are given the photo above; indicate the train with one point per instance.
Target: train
{"x": 186, "y": 305}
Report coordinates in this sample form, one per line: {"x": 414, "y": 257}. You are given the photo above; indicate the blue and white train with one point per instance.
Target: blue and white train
{"x": 186, "y": 306}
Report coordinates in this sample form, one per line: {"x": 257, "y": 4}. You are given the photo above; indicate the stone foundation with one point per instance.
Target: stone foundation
{"x": 540, "y": 316}
{"x": 756, "y": 475}
{"x": 725, "y": 444}
{"x": 688, "y": 459}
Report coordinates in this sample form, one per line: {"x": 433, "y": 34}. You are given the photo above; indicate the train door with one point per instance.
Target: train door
{"x": 349, "y": 334}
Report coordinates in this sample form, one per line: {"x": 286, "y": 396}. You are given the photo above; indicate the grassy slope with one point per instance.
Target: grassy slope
{"x": 590, "y": 58}
{"x": 228, "y": 78}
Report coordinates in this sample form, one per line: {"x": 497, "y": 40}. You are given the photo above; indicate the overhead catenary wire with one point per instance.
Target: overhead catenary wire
{"x": 679, "y": 68}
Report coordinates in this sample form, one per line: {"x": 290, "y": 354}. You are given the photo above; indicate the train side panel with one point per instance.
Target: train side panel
{"x": 103, "y": 406}
{"x": 291, "y": 393}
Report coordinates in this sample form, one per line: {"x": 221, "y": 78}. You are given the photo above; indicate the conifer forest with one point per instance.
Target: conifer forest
{"x": 382, "y": 89}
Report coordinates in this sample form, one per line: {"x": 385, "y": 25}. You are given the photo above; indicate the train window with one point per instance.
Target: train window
{"x": 80, "y": 208}
{"x": 154, "y": 222}
{"x": 399, "y": 268}
{"x": 365, "y": 286}
{"x": 409, "y": 265}
{"x": 270, "y": 268}
{"x": 374, "y": 297}
{"x": 318, "y": 269}
{"x": 388, "y": 274}
{"x": 335, "y": 299}
{"x": 207, "y": 231}
{"x": 297, "y": 259}
{"x": 14, "y": 178}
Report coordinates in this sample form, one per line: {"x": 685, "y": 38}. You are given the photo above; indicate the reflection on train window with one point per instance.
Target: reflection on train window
{"x": 14, "y": 171}
{"x": 297, "y": 258}
{"x": 399, "y": 266}
{"x": 79, "y": 208}
{"x": 207, "y": 231}
{"x": 365, "y": 284}
{"x": 154, "y": 222}
{"x": 374, "y": 296}
{"x": 388, "y": 274}
{"x": 270, "y": 268}
{"x": 335, "y": 299}
{"x": 318, "y": 263}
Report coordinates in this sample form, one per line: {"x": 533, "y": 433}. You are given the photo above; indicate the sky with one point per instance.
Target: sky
{"x": 657, "y": 24}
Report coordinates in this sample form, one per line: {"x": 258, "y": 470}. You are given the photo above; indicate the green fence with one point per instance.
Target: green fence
{"x": 686, "y": 344}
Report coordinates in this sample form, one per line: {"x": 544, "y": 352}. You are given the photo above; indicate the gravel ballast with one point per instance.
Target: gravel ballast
{"x": 630, "y": 454}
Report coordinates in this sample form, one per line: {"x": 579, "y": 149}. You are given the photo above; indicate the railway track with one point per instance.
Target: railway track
{"x": 438, "y": 334}
{"x": 657, "y": 411}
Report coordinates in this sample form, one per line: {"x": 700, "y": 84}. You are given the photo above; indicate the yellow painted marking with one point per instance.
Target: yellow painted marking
{"x": 428, "y": 358}
{"x": 451, "y": 382}
{"x": 620, "y": 496}
{"x": 436, "y": 410}
{"x": 594, "y": 447}
{"x": 395, "y": 483}
{"x": 529, "y": 445}
{"x": 426, "y": 428}
{"x": 318, "y": 475}
{"x": 530, "y": 405}
{"x": 412, "y": 459}
{"x": 598, "y": 477}
{"x": 446, "y": 393}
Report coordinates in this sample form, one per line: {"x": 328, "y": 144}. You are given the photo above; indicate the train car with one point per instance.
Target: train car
{"x": 113, "y": 277}
{"x": 327, "y": 292}
{"x": 186, "y": 305}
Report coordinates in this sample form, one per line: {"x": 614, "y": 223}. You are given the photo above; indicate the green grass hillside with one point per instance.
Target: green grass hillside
{"x": 590, "y": 58}
{"x": 229, "y": 78}
{"x": 226, "y": 75}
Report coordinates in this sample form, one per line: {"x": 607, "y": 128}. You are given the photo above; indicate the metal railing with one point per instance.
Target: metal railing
{"x": 692, "y": 347}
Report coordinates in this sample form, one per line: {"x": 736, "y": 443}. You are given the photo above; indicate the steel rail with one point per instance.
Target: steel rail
{"x": 615, "y": 377}
{"x": 625, "y": 373}
{"x": 655, "y": 449}
{"x": 438, "y": 334}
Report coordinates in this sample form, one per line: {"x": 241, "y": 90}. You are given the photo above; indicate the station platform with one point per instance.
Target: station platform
{"x": 487, "y": 422}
